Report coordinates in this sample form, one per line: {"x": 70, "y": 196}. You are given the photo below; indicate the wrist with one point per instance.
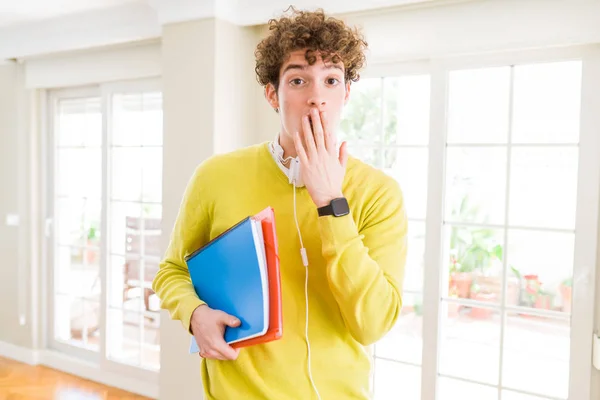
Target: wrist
{"x": 199, "y": 310}
{"x": 326, "y": 200}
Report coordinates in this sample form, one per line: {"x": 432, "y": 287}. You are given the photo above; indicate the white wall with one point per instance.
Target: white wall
{"x": 188, "y": 51}
{"x": 16, "y": 313}
{"x": 209, "y": 107}
{"x": 234, "y": 86}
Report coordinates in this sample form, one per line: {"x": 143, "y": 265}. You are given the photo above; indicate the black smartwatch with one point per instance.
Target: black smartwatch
{"x": 337, "y": 207}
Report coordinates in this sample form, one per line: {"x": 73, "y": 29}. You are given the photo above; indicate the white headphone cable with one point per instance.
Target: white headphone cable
{"x": 305, "y": 263}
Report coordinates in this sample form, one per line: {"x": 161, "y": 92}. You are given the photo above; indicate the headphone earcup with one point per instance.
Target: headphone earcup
{"x": 278, "y": 150}
{"x": 293, "y": 172}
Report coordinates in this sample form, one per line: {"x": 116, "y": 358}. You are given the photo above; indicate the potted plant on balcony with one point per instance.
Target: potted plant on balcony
{"x": 475, "y": 254}
{"x": 566, "y": 294}
{"x": 92, "y": 245}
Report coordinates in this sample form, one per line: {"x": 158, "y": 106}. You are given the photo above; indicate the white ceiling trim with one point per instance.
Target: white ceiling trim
{"x": 143, "y": 19}
{"x": 123, "y": 24}
{"x": 245, "y": 13}
{"x": 172, "y": 11}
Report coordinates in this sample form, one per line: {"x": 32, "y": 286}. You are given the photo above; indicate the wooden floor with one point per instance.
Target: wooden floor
{"x": 21, "y": 381}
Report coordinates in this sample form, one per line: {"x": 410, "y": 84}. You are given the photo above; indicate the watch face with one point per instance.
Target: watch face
{"x": 340, "y": 207}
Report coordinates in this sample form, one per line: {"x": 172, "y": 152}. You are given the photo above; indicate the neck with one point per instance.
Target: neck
{"x": 287, "y": 143}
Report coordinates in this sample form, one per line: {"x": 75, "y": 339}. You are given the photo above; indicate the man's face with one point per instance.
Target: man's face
{"x": 303, "y": 87}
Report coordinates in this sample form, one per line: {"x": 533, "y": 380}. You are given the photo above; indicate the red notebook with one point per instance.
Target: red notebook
{"x": 275, "y": 330}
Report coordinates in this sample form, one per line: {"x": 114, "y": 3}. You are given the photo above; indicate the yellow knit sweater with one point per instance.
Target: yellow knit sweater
{"x": 356, "y": 270}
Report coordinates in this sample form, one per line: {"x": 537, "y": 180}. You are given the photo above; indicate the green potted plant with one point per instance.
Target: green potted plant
{"x": 566, "y": 294}
{"x": 92, "y": 244}
{"x": 473, "y": 253}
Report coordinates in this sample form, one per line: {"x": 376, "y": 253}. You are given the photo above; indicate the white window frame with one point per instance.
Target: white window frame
{"x": 588, "y": 198}
{"x": 62, "y": 355}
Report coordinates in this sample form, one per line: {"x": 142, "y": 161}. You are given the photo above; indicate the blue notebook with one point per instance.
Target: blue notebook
{"x": 230, "y": 274}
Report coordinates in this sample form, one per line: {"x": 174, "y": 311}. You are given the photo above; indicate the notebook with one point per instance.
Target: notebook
{"x": 229, "y": 273}
{"x": 275, "y": 330}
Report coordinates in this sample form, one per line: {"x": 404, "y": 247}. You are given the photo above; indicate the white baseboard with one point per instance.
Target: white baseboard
{"x": 80, "y": 368}
{"x": 18, "y": 353}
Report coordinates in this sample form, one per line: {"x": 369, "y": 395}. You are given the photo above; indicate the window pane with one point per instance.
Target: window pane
{"x": 127, "y": 119}
{"x": 543, "y": 190}
{"x": 79, "y": 172}
{"x": 474, "y": 262}
{"x": 395, "y": 380}
{"x": 77, "y": 271}
{"x": 478, "y": 105}
{"x": 124, "y": 336}
{"x": 406, "y": 113}
{"x": 143, "y": 249}
{"x": 126, "y": 173}
{"x": 543, "y": 264}
{"x": 78, "y": 222}
{"x": 79, "y": 122}
{"x": 370, "y": 155}
{"x": 76, "y": 321}
{"x": 151, "y": 343}
{"x": 470, "y": 344}
{"x": 361, "y": 119}
{"x": 404, "y": 342}
{"x": 547, "y": 101}
{"x": 152, "y": 174}
{"x": 152, "y": 126}
{"x": 415, "y": 258}
{"x": 153, "y": 212}
{"x": 409, "y": 167}
{"x": 536, "y": 355}
{"x": 120, "y": 214}
{"x": 510, "y": 395}
{"x": 116, "y": 281}
{"x": 476, "y": 184}
{"x": 92, "y": 311}
{"x": 449, "y": 388}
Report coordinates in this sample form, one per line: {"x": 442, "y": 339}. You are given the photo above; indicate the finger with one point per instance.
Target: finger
{"x": 229, "y": 320}
{"x": 213, "y": 354}
{"x": 225, "y": 350}
{"x": 309, "y": 139}
{"x": 300, "y": 148}
{"x": 328, "y": 138}
{"x": 317, "y": 126}
{"x": 343, "y": 158}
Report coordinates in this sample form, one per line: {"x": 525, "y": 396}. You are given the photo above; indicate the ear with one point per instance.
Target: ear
{"x": 347, "y": 96}
{"x": 271, "y": 96}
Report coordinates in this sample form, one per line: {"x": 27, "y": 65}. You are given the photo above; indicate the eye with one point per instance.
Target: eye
{"x": 332, "y": 81}
{"x": 296, "y": 81}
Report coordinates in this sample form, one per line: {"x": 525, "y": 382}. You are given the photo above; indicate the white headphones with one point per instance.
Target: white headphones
{"x": 293, "y": 172}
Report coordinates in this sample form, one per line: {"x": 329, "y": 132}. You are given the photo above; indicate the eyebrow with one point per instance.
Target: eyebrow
{"x": 302, "y": 67}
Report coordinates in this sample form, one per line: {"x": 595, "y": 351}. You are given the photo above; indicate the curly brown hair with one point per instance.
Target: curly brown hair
{"x": 314, "y": 31}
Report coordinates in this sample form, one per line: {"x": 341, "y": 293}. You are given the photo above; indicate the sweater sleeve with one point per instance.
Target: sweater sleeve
{"x": 172, "y": 282}
{"x": 365, "y": 268}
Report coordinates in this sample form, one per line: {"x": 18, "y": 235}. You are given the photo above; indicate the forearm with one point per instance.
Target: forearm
{"x": 367, "y": 288}
{"x": 174, "y": 288}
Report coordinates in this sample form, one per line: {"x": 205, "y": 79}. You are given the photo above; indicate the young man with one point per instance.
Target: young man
{"x": 348, "y": 216}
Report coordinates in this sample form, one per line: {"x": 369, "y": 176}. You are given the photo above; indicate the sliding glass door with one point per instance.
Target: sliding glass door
{"x": 498, "y": 160}
{"x": 104, "y": 224}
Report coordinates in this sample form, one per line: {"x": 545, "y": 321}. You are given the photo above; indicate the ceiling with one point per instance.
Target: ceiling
{"x": 29, "y": 28}
{"x": 25, "y": 11}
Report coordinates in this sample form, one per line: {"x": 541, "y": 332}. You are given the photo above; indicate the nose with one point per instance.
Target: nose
{"x": 316, "y": 97}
